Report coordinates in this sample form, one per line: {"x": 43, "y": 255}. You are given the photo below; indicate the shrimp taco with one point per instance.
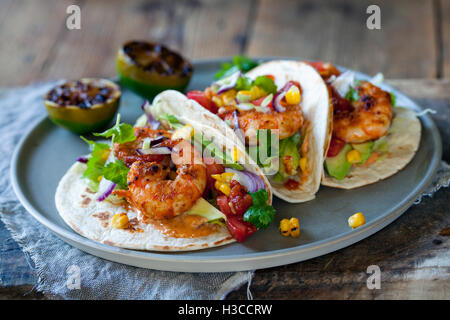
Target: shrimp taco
{"x": 280, "y": 112}
{"x": 170, "y": 187}
{"x": 372, "y": 138}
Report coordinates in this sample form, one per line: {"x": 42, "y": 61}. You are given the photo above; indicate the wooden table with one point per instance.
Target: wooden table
{"x": 413, "y": 44}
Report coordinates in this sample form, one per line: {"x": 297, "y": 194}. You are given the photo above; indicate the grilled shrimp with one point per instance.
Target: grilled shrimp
{"x": 129, "y": 152}
{"x": 367, "y": 119}
{"x": 158, "y": 197}
{"x": 288, "y": 122}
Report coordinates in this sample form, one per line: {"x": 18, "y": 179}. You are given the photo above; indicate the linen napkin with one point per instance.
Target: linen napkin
{"x": 65, "y": 272}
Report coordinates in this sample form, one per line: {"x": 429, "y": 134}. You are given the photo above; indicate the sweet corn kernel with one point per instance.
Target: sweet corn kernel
{"x": 290, "y": 227}
{"x": 293, "y": 95}
{"x": 256, "y": 93}
{"x": 225, "y": 189}
{"x": 217, "y": 101}
{"x": 354, "y": 156}
{"x": 303, "y": 163}
{"x": 119, "y": 221}
{"x": 227, "y": 176}
{"x": 284, "y": 227}
{"x": 356, "y": 220}
{"x": 100, "y": 178}
{"x": 184, "y": 133}
{"x": 294, "y": 227}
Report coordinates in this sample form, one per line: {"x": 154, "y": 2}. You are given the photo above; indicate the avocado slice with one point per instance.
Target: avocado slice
{"x": 338, "y": 166}
{"x": 289, "y": 157}
{"x": 365, "y": 149}
{"x": 381, "y": 145}
{"x": 205, "y": 209}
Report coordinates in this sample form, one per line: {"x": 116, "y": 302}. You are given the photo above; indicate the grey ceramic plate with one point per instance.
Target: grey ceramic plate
{"x": 46, "y": 152}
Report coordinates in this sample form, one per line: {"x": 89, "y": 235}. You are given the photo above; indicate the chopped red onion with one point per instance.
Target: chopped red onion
{"x": 249, "y": 180}
{"x": 82, "y": 159}
{"x": 153, "y": 123}
{"x": 277, "y": 101}
{"x": 227, "y": 83}
{"x": 106, "y": 188}
{"x": 157, "y": 150}
{"x": 237, "y": 128}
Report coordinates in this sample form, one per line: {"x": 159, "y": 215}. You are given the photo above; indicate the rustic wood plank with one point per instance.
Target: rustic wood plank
{"x": 28, "y": 32}
{"x": 405, "y": 47}
{"x": 198, "y": 29}
{"x": 444, "y": 11}
{"x": 411, "y": 253}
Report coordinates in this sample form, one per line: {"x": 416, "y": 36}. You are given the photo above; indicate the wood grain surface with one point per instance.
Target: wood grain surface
{"x": 413, "y": 42}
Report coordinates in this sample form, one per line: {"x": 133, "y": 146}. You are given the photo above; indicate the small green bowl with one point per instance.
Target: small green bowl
{"x": 84, "y": 120}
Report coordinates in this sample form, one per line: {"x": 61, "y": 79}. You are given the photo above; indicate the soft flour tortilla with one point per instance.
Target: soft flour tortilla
{"x": 317, "y": 110}
{"x": 316, "y": 107}
{"x": 403, "y": 140}
{"x": 188, "y": 111}
{"x": 92, "y": 219}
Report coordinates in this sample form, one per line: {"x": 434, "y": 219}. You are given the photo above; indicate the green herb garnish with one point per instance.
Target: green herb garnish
{"x": 239, "y": 62}
{"x": 260, "y": 214}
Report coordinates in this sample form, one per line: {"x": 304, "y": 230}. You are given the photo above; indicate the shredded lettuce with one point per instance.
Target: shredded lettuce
{"x": 120, "y": 133}
{"x": 98, "y": 165}
{"x": 260, "y": 214}
{"x": 116, "y": 172}
{"x": 239, "y": 62}
{"x": 96, "y": 162}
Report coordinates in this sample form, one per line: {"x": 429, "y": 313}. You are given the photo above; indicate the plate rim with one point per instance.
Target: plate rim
{"x": 218, "y": 263}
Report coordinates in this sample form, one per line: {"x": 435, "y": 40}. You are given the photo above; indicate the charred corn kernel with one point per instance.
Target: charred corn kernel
{"x": 354, "y": 156}
{"x": 294, "y": 227}
{"x": 217, "y": 176}
{"x": 356, "y": 220}
{"x": 303, "y": 163}
{"x": 284, "y": 227}
{"x": 184, "y": 133}
{"x": 228, "y": 97}
{"x": 293, "y": 95}
{"x": 236, "y": 154}
{"x": 290, "y": 227}
{"x": 119, "y": 221}
{"x": 217, "y": 101}
{"x": 223, "y": 187}
{"x": 256, "y": 93}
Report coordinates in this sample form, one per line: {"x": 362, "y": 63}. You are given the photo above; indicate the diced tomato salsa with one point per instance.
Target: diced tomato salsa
{"x": 234, "y": 206}
{"x": 201, "y": 98}
{"x": 336, "y": 146}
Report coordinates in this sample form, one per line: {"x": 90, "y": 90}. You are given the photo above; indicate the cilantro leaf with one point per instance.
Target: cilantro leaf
{"x": 243, "y": 83}
{"x": 260, "y": 214}
{"x": 239, "y": 62}
{"x": 116, "y": 172}
{"x": 171, "y": 120}
{"x": 95, "y": 164}
{"x": 120, "y": 133}
{"x": 266, "y": 84}
{"x": 393, "y": 99}
{"x": 352, "y": 94}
